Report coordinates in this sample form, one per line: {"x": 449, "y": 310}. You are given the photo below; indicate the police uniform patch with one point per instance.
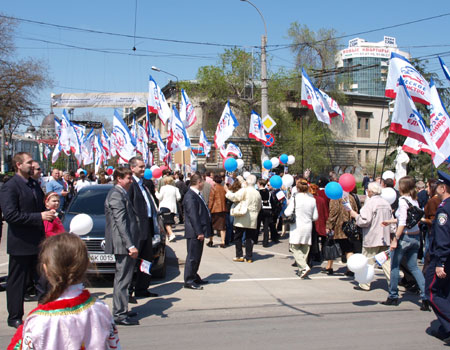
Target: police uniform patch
{"x": 442, "y": 219}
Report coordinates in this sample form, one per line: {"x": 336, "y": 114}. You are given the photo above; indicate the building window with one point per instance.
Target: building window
{"x": 359, "y": 155}
{"x": 367, "y": 156}
{"x": 363, "y": 129}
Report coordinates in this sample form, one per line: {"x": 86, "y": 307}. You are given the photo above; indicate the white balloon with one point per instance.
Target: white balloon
{"x": 357, "y": 263}
{"x": 291, "y": 159}
{"x": 275, "y": 162}
{"x": 366, "y": 275}
{"x": 388, "y": 175}
{"x": 154, "y": 167}
{"x": 288, "y": 180}
{"x": 245, "y": 175}
{"x": 240, "y": 163}
{"x": 389, "y": 194}
{"x": 81, "y": 224}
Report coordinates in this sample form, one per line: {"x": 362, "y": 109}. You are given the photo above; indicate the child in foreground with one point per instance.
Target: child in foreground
{"x": 69, "y": 317}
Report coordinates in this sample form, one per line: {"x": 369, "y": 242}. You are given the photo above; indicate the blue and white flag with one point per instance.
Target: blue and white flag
{"x": 445, "y": 68}
{"x": 69, "y": 139}
{"x": 47, "y": 151}
{"x": 203, "y": 143}
{"x": 142, "y": 143}
{"x": 225, "y": 127}
{"x": 187, "y": 111}
{"x": 407, "y": 121}
{"x": 87, "y": 148}
{"x": 100, "y": 154}
{"x": 145, "y": 267}
{"x": 233, "y": 149}
{"x": 256, "y": 129}
{"x": 418, "y": 88}
{"x": 178, "y": 139}
{"x": 162, "y": 149}
{"x": 106, "y": 144}
{"x": 133, "y": 128}
{"x": 57, "y": 127}
{"x": 157, "y": 101}
{"x": 439, "y": 126}
{"x": 313, "y": 99}
{"x": 124, "y": 142}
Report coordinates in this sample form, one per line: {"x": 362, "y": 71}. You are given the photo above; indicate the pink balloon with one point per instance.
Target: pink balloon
{"x": 157, "y": 173}
{"x": 347, "y": 181}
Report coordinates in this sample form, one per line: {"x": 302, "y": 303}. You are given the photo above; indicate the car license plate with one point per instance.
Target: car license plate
{"x": 102, "y": 258}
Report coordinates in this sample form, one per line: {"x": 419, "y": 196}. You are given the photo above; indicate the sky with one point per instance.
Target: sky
{"x": 117, "y": 68}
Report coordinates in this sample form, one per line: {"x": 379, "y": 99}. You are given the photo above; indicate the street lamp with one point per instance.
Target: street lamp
{"x": 156, "y": 69}
{"x": 264, "y": 100}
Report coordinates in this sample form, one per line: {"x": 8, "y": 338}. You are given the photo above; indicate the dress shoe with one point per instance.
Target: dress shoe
{"x": 192, "y": 286}
{"x": 349, "y": 273}
{"x": 15, "y": 323}
{"x": 361, "y": 288}
{"x": 389, "y": 301}
{"x": 294, "y": 264}
{"x": 210, "y": 244}
{"x": 2, "y": 289}
{"x": 327, "y": 271}
{"x": 223, "y": 245}
{"x": 265, "y": 245}
{"x": 241, "y": 259}
{"x": 248, "y": 260}
{"x": 127, "y": 321}
{"x": 132, "y": 299}
{"x": 145, "y": 294}
{"x": 200, "y": 281}
{"x": 132, "y": 314}
{"x": 425, "y": 306}
{"x": 28, "y": 297}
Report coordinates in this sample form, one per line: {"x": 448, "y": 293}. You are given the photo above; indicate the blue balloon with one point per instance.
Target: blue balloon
{"x": 333, "y": 190}
{"x": 148, "y": 174}
{"x": 267, "y": 164}
{"x": 276, "y": 181}
{"x": 110, "y": 167}
{"x": 230, "y": 164}
{"x": 85, "y": 172}
{"x": 284, "y": 158}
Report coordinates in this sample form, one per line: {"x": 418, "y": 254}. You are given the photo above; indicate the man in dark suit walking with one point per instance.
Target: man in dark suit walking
{"x": 147, "y": 217}
{"x": 197, "y": 227}
{"x": 121, "y": 239}
{"x": 22, "y": 203}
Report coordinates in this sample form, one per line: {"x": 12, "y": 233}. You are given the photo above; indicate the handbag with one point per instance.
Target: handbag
{"x": 331, "y": 250}
{"x": 291, "y": 218}
{"x": 413, "y": 215}
{"x": 351, "y": 230}
{"x": 239, "y": 209}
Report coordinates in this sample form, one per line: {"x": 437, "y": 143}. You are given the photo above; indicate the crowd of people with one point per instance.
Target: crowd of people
{"x": 240, "y": 211}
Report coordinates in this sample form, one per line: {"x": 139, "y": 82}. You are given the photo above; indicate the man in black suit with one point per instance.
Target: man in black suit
{"x": 197, "y": 227}
{"x": 121, "y": 239}
{"x": 22, "y": 203}
{"x": 147, "y": 217}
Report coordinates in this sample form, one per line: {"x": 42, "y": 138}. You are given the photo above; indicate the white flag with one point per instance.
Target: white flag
{"x": 225, "y": 127}
{"x": 415, "y": 83}
{"x": 313, "y": 99}
{"x": 203, "y": 142}
{"x": 233, "y": 149}
{"x": 178, "y": 139}
{"x": 157, "y": 101}
{"x": 162, "y": 149}
{"x": 187, "y": 111}
{"x": 415, "y": 147}
{"x": 125, "y": 143}
{"x": 87, "y": 148}
{"x": 100, "y": 154}
{"x": 256, "y": 129}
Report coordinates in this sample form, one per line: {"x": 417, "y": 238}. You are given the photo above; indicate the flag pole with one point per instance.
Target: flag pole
{"x": 378, "y": 144}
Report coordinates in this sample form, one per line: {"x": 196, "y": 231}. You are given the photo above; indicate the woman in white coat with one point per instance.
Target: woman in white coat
{"x": 246, "y": 223}
{"x": 305, "y": 209}
{"x": 168, "y": 197}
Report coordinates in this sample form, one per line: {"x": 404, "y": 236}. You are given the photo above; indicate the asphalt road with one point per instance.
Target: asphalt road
{"x": 262, "y": 305}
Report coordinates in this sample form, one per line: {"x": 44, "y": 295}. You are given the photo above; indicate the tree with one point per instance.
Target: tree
{"x": 315, "y": 51}
{"x": 20, "y": 81}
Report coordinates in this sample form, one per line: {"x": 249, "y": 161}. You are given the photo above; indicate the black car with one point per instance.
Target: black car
{"x": 91, "y": 200}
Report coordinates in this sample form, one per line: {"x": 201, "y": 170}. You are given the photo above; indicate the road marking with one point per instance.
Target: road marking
{"x": 4, "y": 264}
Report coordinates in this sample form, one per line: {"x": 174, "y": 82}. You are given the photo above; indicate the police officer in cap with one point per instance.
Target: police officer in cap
{"x": 437, "y": 276}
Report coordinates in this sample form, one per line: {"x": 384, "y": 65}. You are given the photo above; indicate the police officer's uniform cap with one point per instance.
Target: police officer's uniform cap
{"x": 444, "y": 178}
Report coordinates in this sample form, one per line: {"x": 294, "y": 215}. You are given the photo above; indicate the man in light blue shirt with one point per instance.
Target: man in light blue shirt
{"x": 57, "y": 184}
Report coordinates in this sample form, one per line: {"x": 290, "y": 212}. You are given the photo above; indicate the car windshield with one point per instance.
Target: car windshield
{"x": 90, "y": 202}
